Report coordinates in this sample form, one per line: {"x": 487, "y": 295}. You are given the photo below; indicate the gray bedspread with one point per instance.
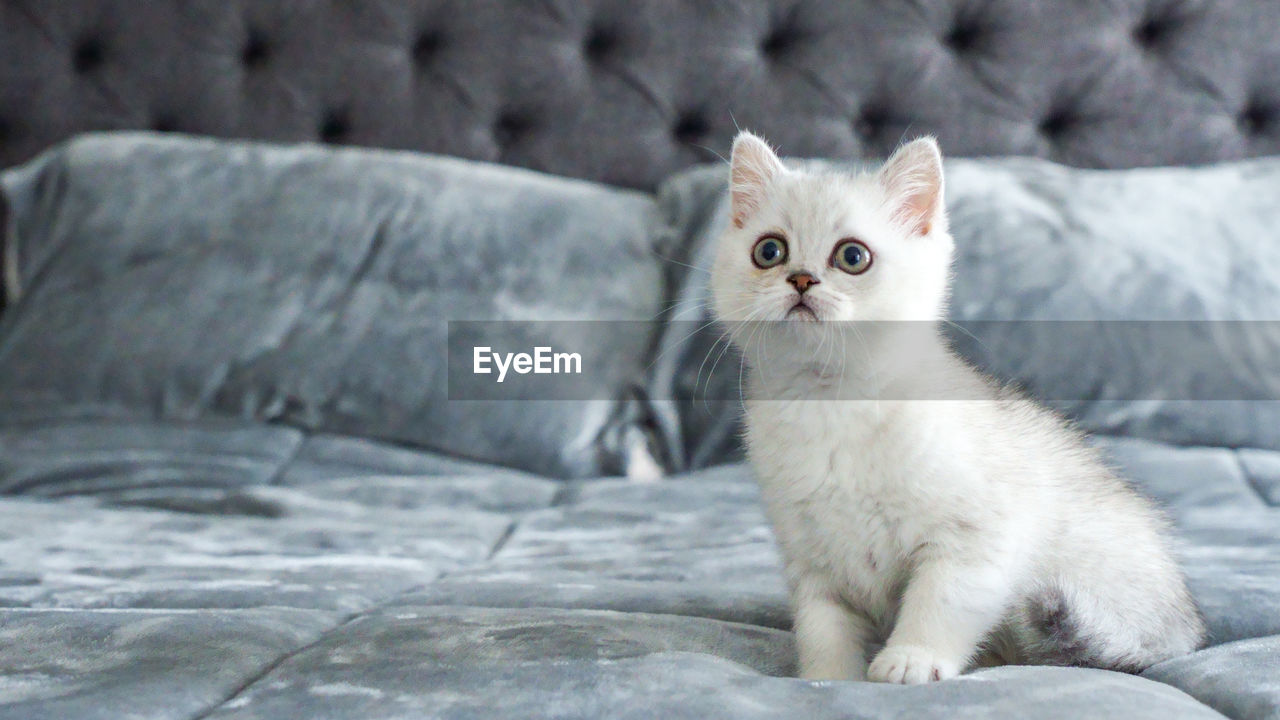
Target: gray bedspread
{"x": 265, "y": 573}
{"x": 218, "y": 358}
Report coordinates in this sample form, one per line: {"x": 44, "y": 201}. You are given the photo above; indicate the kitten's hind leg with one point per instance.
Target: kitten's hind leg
{"x": 831, "y": 638}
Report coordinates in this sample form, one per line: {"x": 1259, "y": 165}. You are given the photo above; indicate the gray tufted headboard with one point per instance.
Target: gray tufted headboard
{"x": 626, "y": 91}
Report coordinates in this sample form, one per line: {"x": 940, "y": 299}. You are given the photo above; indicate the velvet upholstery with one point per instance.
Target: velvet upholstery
{"x": 627, "y": 92}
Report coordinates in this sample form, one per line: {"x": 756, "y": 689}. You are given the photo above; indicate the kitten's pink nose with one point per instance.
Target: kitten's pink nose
{"x": 801, "y": 281}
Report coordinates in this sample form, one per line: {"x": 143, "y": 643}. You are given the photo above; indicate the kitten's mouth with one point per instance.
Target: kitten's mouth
{"x": 802, "y": 312}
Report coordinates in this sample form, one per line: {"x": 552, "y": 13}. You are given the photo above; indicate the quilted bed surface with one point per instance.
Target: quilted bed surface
{"x": 263, "y": 573}
{"x": 197, "y": 522}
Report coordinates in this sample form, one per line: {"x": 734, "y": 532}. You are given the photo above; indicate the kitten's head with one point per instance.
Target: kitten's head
{"x": 818, "y": 246}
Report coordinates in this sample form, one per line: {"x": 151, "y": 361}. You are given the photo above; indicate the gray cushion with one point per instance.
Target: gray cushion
{"x": 1141, "y": 302}
{"x": 181, "y": 278}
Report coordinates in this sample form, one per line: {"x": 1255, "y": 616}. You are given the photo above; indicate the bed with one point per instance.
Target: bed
{"x": 241, "y": 475}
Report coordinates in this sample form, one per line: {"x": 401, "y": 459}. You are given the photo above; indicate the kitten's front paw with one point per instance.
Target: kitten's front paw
{"x": 909, "y": 665}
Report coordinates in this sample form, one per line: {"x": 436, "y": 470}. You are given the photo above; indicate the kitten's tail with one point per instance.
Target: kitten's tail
{"x": 1056, "y": 627}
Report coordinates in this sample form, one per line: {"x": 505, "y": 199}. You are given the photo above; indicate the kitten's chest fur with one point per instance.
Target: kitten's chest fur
{"x": 847, "y": 488}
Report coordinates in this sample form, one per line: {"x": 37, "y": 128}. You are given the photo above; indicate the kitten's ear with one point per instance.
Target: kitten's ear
{"x": 913, "y": 179}
{"x": 751, "y": 168}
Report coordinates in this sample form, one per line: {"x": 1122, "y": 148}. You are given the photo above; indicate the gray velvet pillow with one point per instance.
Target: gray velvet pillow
{"x": 1191, "y": 254}
{"x": 175, "y": 278}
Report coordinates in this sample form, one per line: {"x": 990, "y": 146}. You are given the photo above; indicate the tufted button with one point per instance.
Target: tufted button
{"x": 427, "y": 47}
{"x": 691, "y": 127}
{"x": 601, "y": 42}
{"x": 88, "y": 55}
{"x": 1151, "y": 32}
{"x": 779, "y": 42}
{"x": 256, "y": 50}
{"x": 963, "y": 37}
{"x": 1057, "y": 123}
{"x": 1256, "y": 118}
{"x": 335, "y": 126}
{"x": 870, "y": 122}
{"x": 510, "y": 127}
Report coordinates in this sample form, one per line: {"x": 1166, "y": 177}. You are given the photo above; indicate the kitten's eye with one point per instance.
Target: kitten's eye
{"x": 852, "y": 257}
{"x": 770, "y": 250}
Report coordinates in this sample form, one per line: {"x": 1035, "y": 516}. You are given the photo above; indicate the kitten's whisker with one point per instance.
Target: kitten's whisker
{"x": 687, "y": 303}
{"x": 711, "y": 374}
{"x": 965, "y": 330}
{"x": 726, "y": 337}
{"x": 680, "y": 343}
{"x": 742, "y": 363}
{"x": 712, "y": 151}
{"x": 821, "y": 341}
{"x": 728, "y": 343}
{"x": 677, "y": 262}
{"x": 864, "y": 346}
{"x": 697, "y": 380}
{"x": 826, "y": 336}
{"x": 870, "y": 364}
{"x": 837, "y": 347}
{"x": 902, "y": 138}
{"x": 764, "y": 348}
{"x": 678, "y": 301}
{"x": 764, "y": 361}
{"x": 844, "y": 363}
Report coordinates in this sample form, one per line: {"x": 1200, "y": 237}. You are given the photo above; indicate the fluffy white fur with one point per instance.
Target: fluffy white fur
{"x": 926, "y": 536}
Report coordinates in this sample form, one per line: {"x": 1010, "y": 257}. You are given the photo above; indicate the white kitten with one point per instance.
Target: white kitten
{"x": 948, "y": 532}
